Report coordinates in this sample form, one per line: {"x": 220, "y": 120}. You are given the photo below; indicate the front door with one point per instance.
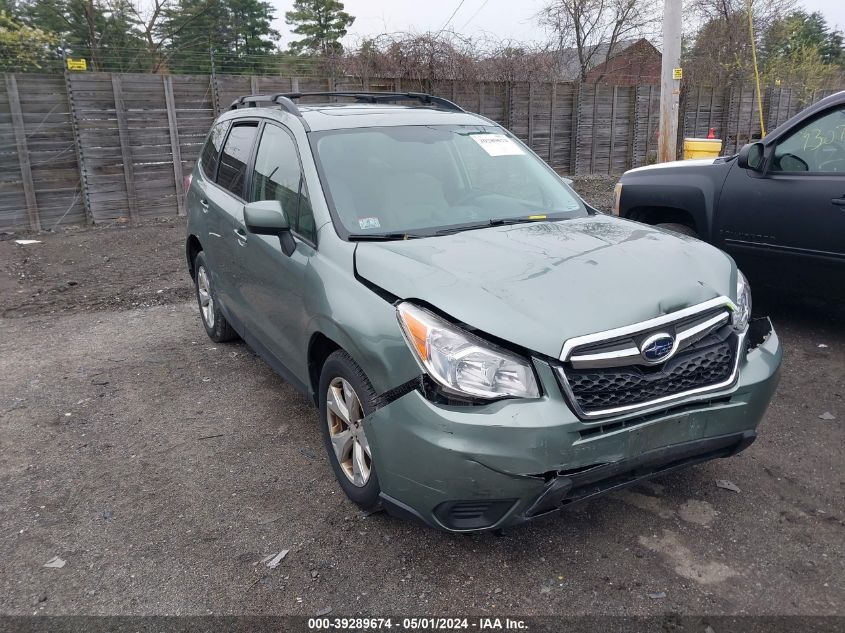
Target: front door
{"x": 791, "y": 218}
{"x": 272, "y": 283}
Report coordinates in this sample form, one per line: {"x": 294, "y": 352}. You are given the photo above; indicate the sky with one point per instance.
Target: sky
{"x": 500, "y": 19}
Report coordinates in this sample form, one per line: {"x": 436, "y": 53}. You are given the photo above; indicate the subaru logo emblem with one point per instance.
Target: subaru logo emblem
{"x": 658, "y": 347}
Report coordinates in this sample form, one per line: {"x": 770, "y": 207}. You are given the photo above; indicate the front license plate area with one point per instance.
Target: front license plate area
{"x": 675, "y": 430}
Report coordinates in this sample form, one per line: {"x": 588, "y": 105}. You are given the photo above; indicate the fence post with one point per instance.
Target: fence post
{"x": 682, "y": 119}
{"x": 175, "y": 150}
{"x": 612, "y": 130}
{"x": 576, "y": 118}
{"x": 77, "y": 142}
{"x": 481, "y": 98}
{"x": 631, "y": 136}
{"x": 215, "y": 97}
{"x": 738, "y": 117}
{"x": 648, "y": 125}
{"x": 531, "y": 114}
{"x": 506, "y": 112}
{"x": 125, "y": 149}
{"x": 552, "y": 123}
{"x": 253, "y": 85}
{"x": 593, "y": 135}
{"x": 23, "y": 152}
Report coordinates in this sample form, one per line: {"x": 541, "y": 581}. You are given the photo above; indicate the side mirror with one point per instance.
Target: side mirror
{"x": 267, "y": 217}
{"x": 751, "y": 157}
{"x": 568, "y": 181}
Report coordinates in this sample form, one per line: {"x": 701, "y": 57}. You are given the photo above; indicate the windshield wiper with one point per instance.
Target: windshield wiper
{"x": 492, "y": 222}
{"x": 382, "y": 237}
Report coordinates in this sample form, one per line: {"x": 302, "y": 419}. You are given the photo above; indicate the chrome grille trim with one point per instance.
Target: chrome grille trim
{"x": 642, "y": 326}
{"x": 691, "y": 335}
{"x": 632, "y": 356}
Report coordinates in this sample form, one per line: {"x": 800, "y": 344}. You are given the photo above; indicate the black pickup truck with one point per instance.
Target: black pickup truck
{"x": 778, "y": 207}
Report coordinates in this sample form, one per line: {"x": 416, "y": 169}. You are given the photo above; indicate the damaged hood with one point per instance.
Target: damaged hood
{"x": 537, "y": 285}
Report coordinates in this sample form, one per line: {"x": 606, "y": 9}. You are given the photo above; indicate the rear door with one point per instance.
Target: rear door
{"x": 270, "y": 282}
{"x": 226, "y": 201}
{"x": 205, "y": 224}
{"x": 791, "y": 218}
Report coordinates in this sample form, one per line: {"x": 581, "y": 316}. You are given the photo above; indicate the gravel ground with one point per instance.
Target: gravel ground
{"x": 162, "y": 468}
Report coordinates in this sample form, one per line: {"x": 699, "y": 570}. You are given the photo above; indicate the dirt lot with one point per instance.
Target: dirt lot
{"x": 162, "y": 468}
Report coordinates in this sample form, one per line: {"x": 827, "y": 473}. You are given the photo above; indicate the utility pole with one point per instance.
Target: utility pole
{"x": 670, "y": 81}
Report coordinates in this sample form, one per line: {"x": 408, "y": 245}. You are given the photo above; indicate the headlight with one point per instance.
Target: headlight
{"x": 462, "y": 363}
{"x": 743, "y": 303}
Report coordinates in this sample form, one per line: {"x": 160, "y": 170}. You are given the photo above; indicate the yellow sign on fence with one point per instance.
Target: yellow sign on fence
{"x": 677, "y": 73}
{"x": 77, "y": 64}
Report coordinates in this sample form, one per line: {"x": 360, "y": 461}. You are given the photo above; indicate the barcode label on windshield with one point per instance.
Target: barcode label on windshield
{"x": 497, "y": 144}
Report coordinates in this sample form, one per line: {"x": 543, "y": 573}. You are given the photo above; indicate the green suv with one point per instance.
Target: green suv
{"x": 484, "y": 348}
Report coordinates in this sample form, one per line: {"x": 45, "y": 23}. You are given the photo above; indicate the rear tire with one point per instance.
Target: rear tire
{"x": 683, "y": 229}
{"x": 215, "y": 324}
{"x": 346, "y": 397}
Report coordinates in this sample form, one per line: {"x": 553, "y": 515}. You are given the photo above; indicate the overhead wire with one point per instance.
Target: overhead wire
{"x": 472, "y": 17}
{"x": 458, "y": 8}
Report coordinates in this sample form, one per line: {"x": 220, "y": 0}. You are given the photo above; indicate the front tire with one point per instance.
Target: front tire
{"x": 215, "y": 324}
{"x": 346, "y": 398}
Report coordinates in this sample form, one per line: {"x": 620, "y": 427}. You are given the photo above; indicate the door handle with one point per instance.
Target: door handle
{"x": 241, "y": 235}
{"x": 840, "y": 202}
{"x": 204, "y": 205}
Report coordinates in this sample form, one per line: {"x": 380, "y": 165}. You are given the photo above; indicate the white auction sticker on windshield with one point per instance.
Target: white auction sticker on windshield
{"x": 497, "y": 144}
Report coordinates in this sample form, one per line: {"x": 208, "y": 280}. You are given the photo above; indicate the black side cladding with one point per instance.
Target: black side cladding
{"x": 397, "y": 392}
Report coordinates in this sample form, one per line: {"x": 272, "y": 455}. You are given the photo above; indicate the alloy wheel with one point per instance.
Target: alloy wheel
{"x": 344, "y": 416}
{"x": 206, "y": 300}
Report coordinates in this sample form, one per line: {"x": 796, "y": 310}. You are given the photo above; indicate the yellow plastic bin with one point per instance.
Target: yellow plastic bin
{"x": 702, "y": 148}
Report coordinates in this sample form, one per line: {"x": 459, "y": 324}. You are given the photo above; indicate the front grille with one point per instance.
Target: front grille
{"x": 700, "y": 366}
{"x": 606, "y": 374}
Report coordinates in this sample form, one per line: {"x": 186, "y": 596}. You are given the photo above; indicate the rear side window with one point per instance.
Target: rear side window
{"x": 235, "y": 156}
{"x": 277, "y": 176}
{"x": 211, "y": 151}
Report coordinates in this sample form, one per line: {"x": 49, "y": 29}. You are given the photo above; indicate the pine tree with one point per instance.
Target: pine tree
{"x": 321, "y": 23}
{"x": 237, "y": 32}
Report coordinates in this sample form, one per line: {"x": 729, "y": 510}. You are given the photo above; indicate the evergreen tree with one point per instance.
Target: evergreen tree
{"x": 238, "y": 33}
{"x": 800, "y": 31}
{"x": 321, "y": 23}
{"x": 106, "y": 35}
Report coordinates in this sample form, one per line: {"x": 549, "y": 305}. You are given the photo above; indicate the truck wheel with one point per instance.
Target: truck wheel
{"x": 215, "y": 324}
{"x": 346, "y": 398}
{"x": 683, "y": 229}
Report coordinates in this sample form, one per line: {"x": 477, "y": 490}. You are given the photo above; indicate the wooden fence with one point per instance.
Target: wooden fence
{"x": 102, "y": 147}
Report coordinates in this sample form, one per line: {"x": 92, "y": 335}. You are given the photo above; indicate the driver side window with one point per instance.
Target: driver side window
{"x": 817, "y": 146}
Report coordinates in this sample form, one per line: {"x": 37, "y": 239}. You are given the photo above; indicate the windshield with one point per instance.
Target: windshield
{"x": 425, "y": 180}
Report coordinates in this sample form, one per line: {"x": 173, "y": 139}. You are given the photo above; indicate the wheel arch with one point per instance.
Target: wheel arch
{"x": 659, "y": 214}
{"x": 386, "y": 365}
{"x": 193, "y": 247}
{"x": 320, "y": 347}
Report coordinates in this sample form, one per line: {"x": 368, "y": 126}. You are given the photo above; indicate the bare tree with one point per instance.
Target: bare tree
{"x": 446, "y": 56}
{"x": 590, "y": 31}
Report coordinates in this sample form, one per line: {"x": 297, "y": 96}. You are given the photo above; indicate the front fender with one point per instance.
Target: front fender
{"x": 357, "y": 319}
{"x": 692, "y": 189}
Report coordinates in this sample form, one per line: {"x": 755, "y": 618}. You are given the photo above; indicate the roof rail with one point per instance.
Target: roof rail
{"x": 286, "y": 99}
{"x": 255, "y": 101}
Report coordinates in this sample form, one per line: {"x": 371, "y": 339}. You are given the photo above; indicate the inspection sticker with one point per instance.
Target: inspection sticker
{"x": 368, "y": 223}
{"x": 497, "y": 144}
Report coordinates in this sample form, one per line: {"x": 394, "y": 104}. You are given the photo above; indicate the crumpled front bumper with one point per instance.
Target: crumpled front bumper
{"x": 462, "y": 468}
